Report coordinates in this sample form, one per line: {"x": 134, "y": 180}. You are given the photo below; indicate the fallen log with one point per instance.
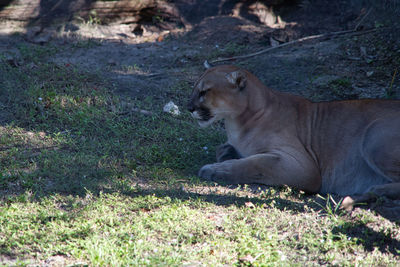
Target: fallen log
{"x": 123, "y": 11}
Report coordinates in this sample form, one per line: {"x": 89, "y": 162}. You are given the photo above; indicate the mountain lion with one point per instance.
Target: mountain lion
{"x": 349, "y": 148}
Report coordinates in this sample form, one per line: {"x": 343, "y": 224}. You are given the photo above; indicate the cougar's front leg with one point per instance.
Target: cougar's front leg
{"x": 226, "y": 152}
{"x": 270, "y": 169}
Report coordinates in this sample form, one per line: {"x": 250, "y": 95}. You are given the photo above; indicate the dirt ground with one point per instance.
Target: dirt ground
{"x": 158, "y": 58}
{"x": 143, "y": 59}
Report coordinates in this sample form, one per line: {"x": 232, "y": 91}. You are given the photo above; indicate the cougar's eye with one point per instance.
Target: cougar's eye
{"x": 204, "y": 92}
{"x": 202, "y": 95}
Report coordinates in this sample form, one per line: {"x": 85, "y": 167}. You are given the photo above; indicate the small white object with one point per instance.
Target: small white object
{"x": 40, "y": 99}
{"x": 171, "y": 108}
{"x": 206, "y": 64}
{"x": 205, "y": 148}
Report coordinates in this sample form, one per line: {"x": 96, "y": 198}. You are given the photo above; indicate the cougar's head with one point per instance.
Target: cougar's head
{"x": 219, "y": 93}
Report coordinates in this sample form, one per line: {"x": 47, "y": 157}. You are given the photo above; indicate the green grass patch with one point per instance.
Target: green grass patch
{"x": 86, "y": 180}
{"x": 68, "y": 132}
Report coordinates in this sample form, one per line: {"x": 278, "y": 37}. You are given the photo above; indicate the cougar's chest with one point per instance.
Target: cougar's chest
{"x": 235, "y": 138}
{"x": 245, "y": 142}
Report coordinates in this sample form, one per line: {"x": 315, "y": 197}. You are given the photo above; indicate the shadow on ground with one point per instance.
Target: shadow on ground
{"x": 361, "y": 232}
{"x": 368, "y": 237}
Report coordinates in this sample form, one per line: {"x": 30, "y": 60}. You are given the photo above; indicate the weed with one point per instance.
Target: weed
{"x": 389, "y": 92}
{"x": 331, "y": 207}
{"x": 93, "y": 18}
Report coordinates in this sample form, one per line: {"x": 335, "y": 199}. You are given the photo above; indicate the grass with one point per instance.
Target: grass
{"x": 86, "y": 181}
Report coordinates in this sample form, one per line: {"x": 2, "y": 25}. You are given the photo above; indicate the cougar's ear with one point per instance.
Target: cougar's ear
{"x": 237, "y": 78}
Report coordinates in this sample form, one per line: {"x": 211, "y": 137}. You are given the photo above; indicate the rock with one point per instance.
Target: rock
{"x": 171, "y": 108}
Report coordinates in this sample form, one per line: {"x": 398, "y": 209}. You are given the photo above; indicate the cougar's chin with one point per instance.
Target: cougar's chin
{"x": 204, "y": 117}
{"x": 205, "y": 123}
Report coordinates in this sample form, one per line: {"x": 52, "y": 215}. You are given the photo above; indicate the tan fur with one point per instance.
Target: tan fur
{"x": 342, "y": 147}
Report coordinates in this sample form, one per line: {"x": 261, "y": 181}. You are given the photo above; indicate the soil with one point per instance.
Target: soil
{"x": 151, "y": 57}
{"x": 142, "y": 59}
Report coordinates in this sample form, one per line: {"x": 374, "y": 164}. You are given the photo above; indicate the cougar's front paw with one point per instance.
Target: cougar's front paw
{"x": 215, "y": 172}
{"x": 207, "y": 172}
